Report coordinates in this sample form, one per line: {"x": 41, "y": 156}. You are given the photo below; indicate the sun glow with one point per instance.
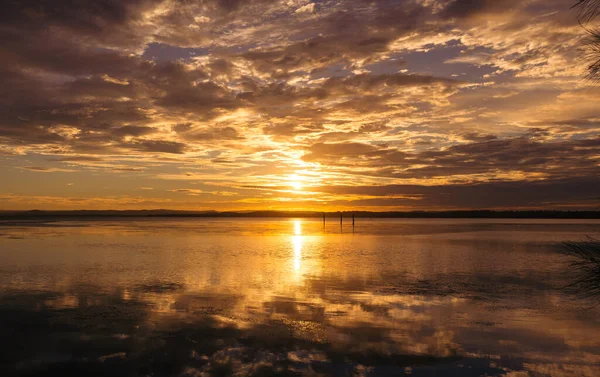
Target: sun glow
{"x": 295, "y": 181}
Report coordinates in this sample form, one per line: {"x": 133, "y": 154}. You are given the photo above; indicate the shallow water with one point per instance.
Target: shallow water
{"x": 179, "y": 297}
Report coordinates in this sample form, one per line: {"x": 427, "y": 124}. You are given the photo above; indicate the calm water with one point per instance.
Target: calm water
{"x": 254, "y": 297}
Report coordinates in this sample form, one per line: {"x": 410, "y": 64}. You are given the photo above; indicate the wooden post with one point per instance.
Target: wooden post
{"x": 340, "y": 218}
{"x": 353, "y": 219}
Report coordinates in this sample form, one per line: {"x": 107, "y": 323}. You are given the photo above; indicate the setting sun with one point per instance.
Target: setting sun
{"x": 295, "y": 181}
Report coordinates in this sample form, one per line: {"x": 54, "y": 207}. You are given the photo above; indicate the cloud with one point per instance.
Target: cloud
{"x": 189, "y": 191}
{"x": 308, "y": 8}
{"x": 79, "y": 159}
{"x": 196, "y": 192}
{"x": 133, "y": 131}
{"x": 188, "y": 132}
{"x": 245, "y": 92}
{"x": 472, "y": 8}
{"x": 557, "y": 194}
{"x": 44, "y": 169}
{"x": 157, "y": 146}
{"x": 486, "y": 157}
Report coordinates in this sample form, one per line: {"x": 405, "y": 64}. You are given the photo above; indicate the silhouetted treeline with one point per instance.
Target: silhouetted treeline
{"x": 483, "y": 214}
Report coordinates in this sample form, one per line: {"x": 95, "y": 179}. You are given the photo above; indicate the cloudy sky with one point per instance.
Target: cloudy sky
{"x": 296, "y": 104}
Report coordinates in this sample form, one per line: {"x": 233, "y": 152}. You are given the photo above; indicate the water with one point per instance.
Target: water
{"x": 287, "y": 297}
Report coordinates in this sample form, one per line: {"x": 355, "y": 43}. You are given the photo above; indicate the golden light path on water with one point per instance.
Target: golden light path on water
{"x": 402, "y": 290}
{"x": 297, "y": 240}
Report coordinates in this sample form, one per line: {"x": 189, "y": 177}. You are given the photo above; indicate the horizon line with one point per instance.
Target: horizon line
{"x": 459, "y": 213}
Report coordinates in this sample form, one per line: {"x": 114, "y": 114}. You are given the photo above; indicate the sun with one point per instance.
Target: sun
{"x": 295, "y": 181}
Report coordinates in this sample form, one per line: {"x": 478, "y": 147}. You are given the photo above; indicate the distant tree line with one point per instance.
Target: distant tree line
{"x": 474, "y": 214}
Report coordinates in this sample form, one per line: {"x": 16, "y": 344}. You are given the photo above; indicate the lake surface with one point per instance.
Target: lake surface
{"x": 288, "y": 297}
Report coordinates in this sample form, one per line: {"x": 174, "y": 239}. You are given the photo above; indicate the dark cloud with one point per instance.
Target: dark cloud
{"x": 133, "y": 131}
{"x": 470, "y": 8}
{"x": 35, "y": 168}
{"x": 55, "y": 53}
{"x": 566, "y": 126}
{"x": 157, "y": 146}
{"x": 65, "y": 69}
{"x": 474, "y": 136}
{"x": 367, "y": 82}
{"x": 355, "y": 31}
{"x": 98, "y": 87}
{"x": 337, "y": 151}
{"x": 205, "y": 99}
{"x": 126, "y": 169}
{"x": 87, "y": 22}
{"x": 492, "y": 156}
{"x": 87, "y": 16}
{"x": 79, "y": 159}
{"x": 517, "y": 154}
{"x": 579, "y": 192}
{"x": 291, "y": 128}
{"x": 206, "y": 133}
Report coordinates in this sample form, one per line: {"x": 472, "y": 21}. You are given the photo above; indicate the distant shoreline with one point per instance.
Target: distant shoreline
{"x": 478, "y": 214}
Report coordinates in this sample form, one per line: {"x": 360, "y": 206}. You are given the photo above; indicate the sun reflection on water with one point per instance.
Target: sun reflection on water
{"x": 360, "y": 299}
{"x": 297, "y": 227}
{"x": 297, "y": 240}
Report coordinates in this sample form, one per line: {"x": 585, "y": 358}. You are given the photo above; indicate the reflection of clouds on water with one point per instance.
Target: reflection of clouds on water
{"x": 294, "y": 302}
{"x": 105, "y": 334}
{"x": 209, "y": 333}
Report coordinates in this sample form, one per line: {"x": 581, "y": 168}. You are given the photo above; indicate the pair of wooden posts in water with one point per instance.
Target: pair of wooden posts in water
{"x": 341, "y": 219}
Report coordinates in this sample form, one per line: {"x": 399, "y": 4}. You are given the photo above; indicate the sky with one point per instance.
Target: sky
{"x": 329, "y": 105}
